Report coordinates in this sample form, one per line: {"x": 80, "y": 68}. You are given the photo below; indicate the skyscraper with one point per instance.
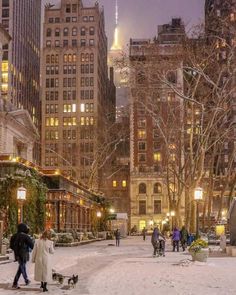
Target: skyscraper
{"x": 21, "y": 58}
{"x": 76, "y": 92}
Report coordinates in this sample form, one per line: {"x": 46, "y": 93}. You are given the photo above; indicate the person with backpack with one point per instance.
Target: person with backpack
{"x": 21, "y": 243}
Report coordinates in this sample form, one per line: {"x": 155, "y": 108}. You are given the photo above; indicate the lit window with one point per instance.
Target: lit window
{"x": 114, "y": 183}
{"x": 82, "y": 107}
{"x": 141, "y": 134}
{"x": 172, "y": 157}
{"x": 73, "y": 108}
{"x": 74, "y": 121}
{"x": 82, "y": 121}
{"x": 157, "y": 157}
{"x": 124, "y": 183}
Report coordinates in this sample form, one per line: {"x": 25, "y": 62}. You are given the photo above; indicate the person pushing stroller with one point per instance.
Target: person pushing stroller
{"x": 158, "y": 243}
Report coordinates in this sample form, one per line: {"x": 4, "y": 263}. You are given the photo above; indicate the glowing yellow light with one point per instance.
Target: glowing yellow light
{"x": 116, "y": 43}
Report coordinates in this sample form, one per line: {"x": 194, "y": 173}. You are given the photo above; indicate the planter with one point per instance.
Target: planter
{"x": 201, "y": 255}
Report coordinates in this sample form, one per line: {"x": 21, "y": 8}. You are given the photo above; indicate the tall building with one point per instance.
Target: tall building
{"x": 77, "y": 96}
{"x": 220, "y": 29}
{"x": 21, "y": 57}
{"x": 155, "y": 120}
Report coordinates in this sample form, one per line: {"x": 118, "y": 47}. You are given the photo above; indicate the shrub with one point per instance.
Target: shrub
{"x": 65, "y": 238}
{"x": 197, "y": 245}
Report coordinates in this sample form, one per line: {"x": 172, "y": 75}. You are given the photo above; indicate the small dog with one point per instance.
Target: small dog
{"x": 72, "y": 280}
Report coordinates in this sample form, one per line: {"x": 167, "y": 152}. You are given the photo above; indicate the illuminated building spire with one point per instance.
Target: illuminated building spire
{"x": 116, "y": 43}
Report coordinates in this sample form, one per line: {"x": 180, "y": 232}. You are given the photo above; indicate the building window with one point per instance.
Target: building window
{"x": 157, "y": 157}
{"x": 91, "y": 31}
{"x": 57, "y": 43}
{"x": 82, "y": 42}
{"x": 68, "y": 8}
{"x": 142, "y": 146}
{"x": 157, "y": 206}
{"x": 142, "y": 189}
{"x": 74, "y": 8}
{"x": 124, "y": 183}
{"x": 49, "y": 32}
{"x": 91, "y": 18}
{"x": 74, "y": 32}
{"x": 67, "y": 19}
{"x": 85, "y": 18}
{"x": 142, "y": 123}
{"x": 74, "y": 43}
{"x": 157, "y": 188}
{"x": 83, "y": 31}
{"x": 114, "y": 183}
{"x": 141, "y": 158}
{"x": 48, "y": 43}
{"x": 74, "y": 19}
{"x": 66, "y": 32}
{"x": 142, "y": 207}
{"x": 141, "y": 134}
{"x": 65, "y": 43}
{"x": 91, "y": 42}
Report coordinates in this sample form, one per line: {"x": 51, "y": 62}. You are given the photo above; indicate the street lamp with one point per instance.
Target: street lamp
{"x": 198, "y": 196}
{"x": 112, "y": 210}
{"x": 21, "y": 197}
{"x": 99, "y": 214}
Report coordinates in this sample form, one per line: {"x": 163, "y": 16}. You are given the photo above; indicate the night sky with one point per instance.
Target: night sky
{"x": 139, "y": 18}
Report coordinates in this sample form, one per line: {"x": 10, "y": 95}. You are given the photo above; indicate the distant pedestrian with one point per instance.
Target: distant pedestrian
{"x": 176, "y": 239}
{"x": 41, "y": 257}
{"x": 21, "y": 243}
{"x": 155, "y": 240}
{"x": 184, "y": 237}
{"x": 117, "y": 236}
{"x": 144, "y": 232}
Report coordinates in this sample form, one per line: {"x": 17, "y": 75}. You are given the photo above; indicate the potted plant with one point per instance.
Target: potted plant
{"x": 199, "y": 250}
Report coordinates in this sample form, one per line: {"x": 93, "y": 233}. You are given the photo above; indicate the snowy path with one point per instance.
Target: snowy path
{"x": 131, "y": 270}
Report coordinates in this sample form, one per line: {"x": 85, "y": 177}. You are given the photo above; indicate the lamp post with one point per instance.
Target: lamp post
{"x": 198, "y": 196}
{"x": 21, "y": 197}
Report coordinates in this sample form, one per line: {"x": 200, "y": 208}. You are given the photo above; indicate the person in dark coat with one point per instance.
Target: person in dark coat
{"x": 176, "y": 239}
{"x": 21, "y": 244}
{"x": 117, "y": 236}
{"x": 184, "y": 237}
{"x": 144, "y": 232}
{"x": 155, "y": 240}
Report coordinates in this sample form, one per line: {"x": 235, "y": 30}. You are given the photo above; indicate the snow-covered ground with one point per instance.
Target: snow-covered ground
{"x": 104, "y": 269}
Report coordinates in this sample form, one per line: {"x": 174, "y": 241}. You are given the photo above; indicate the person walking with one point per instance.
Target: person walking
{"x": 41, "y": 257}
{"x": 21, "y": 243}
{"x": 155, "y": 240}
{"x": 176, "y": 239}
{"x": 117, "y": 236}
{"x": 144, "y": 232}
{"x": 184, "y": 237}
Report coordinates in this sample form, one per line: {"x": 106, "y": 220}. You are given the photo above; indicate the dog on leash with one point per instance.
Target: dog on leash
{"x": 72, "y": 280}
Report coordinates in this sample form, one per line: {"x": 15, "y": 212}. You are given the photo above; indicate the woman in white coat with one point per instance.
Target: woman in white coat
{"x": 41, "y": 257}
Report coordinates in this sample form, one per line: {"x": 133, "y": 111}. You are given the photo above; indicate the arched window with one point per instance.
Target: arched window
{"x": 65, "y": 58}
{"x": 49, "y": 32}
{"x": 74, "y": 31}
{"x": 142, "y": 188}
{"x": 91, "y": 57}
{"x": 74, "y": 57}
{"x": 66, "y": 32}
{"x": 69, "y": 58}
{"x": 157, "y": 188}
{"x": 57, "y": 32}
{"x": 52, "y": 58}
